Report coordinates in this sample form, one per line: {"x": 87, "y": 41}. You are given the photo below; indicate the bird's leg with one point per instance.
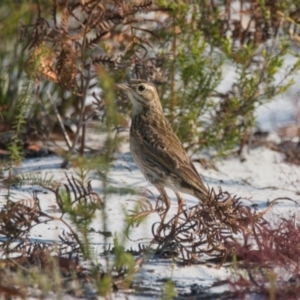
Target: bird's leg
{"x": 180, "y": 204}
{"x": 166, "y": 199}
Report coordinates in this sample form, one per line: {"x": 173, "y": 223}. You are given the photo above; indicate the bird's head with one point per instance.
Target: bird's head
{"x": 143, "y": 95}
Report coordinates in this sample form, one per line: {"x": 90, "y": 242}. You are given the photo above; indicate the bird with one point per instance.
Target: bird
{"x": 157, "y": 150}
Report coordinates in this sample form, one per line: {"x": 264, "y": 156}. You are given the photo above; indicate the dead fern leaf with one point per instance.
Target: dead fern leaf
{"x": 66, "y": 65}
{"x": 40, "y": 64}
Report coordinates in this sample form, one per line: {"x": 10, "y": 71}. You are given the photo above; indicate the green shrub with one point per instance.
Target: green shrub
{"x": 205, "y": 42}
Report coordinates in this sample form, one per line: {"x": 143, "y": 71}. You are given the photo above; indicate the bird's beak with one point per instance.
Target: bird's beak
{"x": 123, "y": 86}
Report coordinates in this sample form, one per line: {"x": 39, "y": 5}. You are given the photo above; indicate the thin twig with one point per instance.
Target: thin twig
{"x": 60, "y": 121}
{"x": 81, "y": 117}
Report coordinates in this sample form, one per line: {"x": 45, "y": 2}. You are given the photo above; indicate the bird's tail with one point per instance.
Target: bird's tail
{"x": 203, "y": 194}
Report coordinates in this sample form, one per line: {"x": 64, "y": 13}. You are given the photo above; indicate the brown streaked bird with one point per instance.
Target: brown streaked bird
{"x": 157, "y": 150}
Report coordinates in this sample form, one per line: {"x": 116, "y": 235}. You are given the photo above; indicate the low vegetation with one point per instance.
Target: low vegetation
{"x": 61, "y": 76}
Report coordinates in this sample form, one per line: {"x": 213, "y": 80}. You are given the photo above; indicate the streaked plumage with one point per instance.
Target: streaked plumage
{"x": 155, "y": 147}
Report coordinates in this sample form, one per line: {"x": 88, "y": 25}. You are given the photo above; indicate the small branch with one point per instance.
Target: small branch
{"x": 61, "y": 124}
{"x": 81, "y": 117}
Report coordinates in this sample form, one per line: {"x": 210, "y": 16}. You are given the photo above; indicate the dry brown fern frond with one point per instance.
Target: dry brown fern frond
{"x": 207, "y": 230}
{"x": 80, "y": 36}
{"x": 40, "y": 64}
{"x": 66, "y": 65}
{"x": 76, "y": 34}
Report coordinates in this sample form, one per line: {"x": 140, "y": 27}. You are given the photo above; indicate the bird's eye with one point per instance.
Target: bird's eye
{"x": 141, "y": 88}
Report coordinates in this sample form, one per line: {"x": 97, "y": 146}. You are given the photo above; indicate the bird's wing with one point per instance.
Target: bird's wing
{"x": 164, "y": 150}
